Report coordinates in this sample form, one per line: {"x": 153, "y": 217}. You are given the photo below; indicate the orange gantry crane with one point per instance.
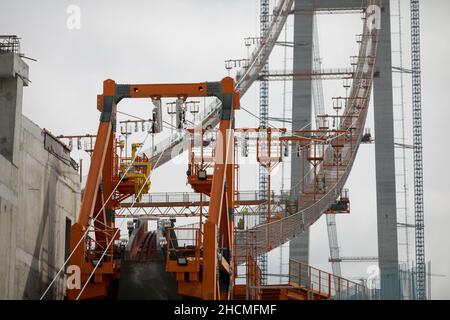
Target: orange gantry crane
{"x": 108, "y": 185}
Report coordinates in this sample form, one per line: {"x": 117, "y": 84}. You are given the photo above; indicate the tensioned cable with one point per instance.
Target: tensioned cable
{"x": 347, "y": 129}
{"x": 323, "y": 142}
{"x": 131, "y": 207}
{"x": 258, "y": 53}
{"x": 254, "y": 115}
{"x": 93, "y": 220}
{"x": 139, "y": 118}
{"x": 112, "y": 238}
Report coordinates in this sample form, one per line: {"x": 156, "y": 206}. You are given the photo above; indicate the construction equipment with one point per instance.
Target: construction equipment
{"x": 204, "y": 258}
{"x": 136, "y": 170}
{"x": 108, "y": 184}
{"x": 208, "y": 274}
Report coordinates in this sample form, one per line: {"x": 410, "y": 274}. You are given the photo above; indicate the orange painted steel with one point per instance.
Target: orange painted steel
{"x": 198, "y": 277}
{"x": 303, "y": 283}
{"x": 95, "y": 228}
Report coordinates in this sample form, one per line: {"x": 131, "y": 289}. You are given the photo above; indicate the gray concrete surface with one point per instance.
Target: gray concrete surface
{"x": 38, "y": 193}
{"x": 13, "y": 77}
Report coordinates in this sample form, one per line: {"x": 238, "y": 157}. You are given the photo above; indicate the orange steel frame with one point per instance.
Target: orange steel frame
{"x": 98, "y": 206}
{"x": 221, "y": 187}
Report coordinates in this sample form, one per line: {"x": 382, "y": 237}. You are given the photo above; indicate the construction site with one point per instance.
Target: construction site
{"x": 245, "y": 150}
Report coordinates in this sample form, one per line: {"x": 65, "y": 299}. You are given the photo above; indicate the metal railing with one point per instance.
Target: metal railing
{"x": 323, "y": 285}
{"x": 195, "y": 198}
{"x": 183, "y": 243}
{"x": 9, "y": 43}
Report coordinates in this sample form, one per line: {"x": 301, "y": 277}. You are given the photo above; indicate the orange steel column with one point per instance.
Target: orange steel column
{"x": 105, "y": 219}
{"x": 94, "y": 175}
{"x": 218, "y": 226}
{"x": 94, "y": 199}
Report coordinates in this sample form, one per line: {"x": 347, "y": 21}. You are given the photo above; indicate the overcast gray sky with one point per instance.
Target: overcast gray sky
{"x": 188, "y": 41}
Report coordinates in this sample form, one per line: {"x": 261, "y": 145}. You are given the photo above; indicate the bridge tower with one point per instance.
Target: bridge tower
{"x": 384, "y": 130}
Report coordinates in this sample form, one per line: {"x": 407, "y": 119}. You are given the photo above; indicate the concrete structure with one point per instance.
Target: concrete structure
{"x": 384, "y": 131}
{"x": 301, "y": 109}
{"x": 385, "y": 163}
{"x": 39, "y": 195}
{"x": 13, "y": 75}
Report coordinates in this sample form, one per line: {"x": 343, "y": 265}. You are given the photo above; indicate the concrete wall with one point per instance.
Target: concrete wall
{"x": 37, "y": 194}
{"x": 13, "y": 77}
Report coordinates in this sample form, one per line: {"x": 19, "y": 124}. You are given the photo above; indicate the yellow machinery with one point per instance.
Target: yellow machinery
{"x": 139, "y": 171}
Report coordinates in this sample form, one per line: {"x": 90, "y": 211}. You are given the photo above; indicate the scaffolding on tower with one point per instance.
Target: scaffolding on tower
{"x": 263, "y": 122}
{"x": 418, "y": 156}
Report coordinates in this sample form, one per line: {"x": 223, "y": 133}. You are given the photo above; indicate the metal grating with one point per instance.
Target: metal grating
{"x": 418, "y": 156}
